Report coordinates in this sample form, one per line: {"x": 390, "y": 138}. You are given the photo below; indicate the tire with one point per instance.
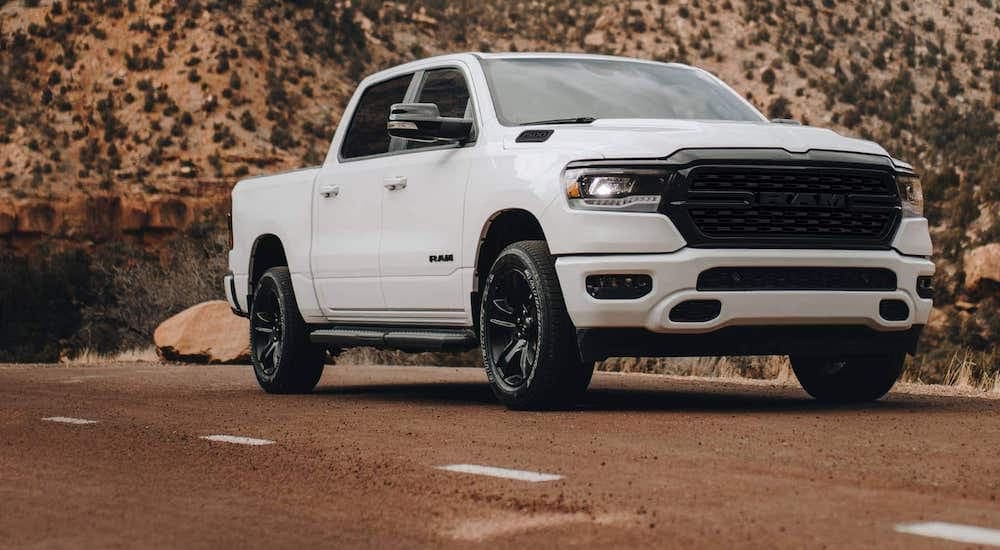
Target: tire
{"x": 527, "y": 339}
{"x": 284, "y": 361}
{"x": 848, "y": 380}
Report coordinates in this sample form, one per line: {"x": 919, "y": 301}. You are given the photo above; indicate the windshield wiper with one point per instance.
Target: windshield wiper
{"x": 574, "y": 120}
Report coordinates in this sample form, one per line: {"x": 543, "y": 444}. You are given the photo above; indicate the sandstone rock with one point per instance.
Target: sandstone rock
{"x": 7, "y": 219}
{"x": 134, "y": 216}
{"x": 206, "y": 333}
{"x": 982, "y": 264}
{"x": 35, "y": 217}
{"x": 169, "y": 213}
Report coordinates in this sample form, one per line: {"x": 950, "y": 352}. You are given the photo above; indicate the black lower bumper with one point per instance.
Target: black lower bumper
{"x": 601, "y": 343}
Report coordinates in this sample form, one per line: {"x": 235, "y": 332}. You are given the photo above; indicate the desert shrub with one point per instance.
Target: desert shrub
{"x": 144, "y": 289}
{"x": 40, "y": 304}
{"x": 779, "y": 108}
{"x": 281, "y": 136}
{"x": 248, "y": 122}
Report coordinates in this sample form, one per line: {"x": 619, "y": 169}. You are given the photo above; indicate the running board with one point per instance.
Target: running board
{"x": 397, "y": 338}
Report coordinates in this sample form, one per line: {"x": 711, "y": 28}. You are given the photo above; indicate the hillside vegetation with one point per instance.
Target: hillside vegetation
{"x": 125, "y": 122}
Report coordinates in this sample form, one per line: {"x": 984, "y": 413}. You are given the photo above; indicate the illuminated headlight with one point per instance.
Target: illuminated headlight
{"x": 634, "y": 190}
{"x": 911, "y": 195}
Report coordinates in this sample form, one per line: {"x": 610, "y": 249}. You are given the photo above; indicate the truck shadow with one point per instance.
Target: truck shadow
{"x": 724, "y": 399}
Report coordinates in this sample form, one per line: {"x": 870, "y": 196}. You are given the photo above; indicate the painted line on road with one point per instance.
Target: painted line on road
{"x": 237, "y": 439}
{"x": 520, "y": 475}
{"x": 68, "y": 420}
{"x": 952, "y": 531}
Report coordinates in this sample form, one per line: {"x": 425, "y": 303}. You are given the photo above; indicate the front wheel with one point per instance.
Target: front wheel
{"x": 284, "y": 360}
{"x": 527, "y": 339}
{"x": 848, "y": 379}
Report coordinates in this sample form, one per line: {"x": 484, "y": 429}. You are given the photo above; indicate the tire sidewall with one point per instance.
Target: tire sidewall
{"x": 863, "y": 378}
{"x": 268, "y": 282}
{"x": 519, "y": 258}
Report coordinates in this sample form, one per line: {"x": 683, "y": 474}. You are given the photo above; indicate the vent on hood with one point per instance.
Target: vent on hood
{"x": 533, "y": 136}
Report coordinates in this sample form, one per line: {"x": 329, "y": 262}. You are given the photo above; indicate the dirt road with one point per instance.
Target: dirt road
{"x": 645, "y": 461}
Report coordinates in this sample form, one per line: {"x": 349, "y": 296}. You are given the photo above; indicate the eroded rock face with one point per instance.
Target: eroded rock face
{"x": 100, "y": 217}
{"x": 8, "y": 218}
{"x": 982, "y": 267}
{"x": 36, "y": 217}
{"x": 205, "y": 333}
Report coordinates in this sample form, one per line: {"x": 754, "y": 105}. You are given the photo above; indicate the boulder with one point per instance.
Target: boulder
{"x": 982, "y": 264}
{"x": 206, "y": 333}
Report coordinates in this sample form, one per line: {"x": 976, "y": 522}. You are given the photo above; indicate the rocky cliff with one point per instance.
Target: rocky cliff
{"x": 129, "y": 120}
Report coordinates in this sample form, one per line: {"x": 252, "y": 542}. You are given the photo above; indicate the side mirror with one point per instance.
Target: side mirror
{"x": 423, "y": 122}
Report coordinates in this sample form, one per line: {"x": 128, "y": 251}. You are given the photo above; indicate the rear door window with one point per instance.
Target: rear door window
{"x": 368, "y": 133}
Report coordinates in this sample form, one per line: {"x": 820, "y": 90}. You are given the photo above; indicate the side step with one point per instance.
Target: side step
{"x": 397, "y": 338}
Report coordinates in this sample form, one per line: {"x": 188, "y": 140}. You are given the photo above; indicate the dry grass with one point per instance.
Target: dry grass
{"x": 88, "y": 357}
{"x": 972, "y": 371}
{"x": 963, "y": 368}
{"x": 763, "y": 368}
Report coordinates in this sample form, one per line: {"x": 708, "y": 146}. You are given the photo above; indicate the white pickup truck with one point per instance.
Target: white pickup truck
{"x": 559, "y": 209}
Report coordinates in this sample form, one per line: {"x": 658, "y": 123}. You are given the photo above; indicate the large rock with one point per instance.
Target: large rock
{"x": 206, "y": 333}
{"x": 982, "y": 265}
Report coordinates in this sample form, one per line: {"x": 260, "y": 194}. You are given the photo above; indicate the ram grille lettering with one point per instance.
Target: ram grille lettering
{"x": 817, "y": 200}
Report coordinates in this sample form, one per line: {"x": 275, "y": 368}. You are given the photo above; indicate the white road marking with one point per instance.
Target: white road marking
{"x": 952, "y": 531}
{"x": 68, "y": 420}
{"x": 520, "y": 475}
{"x": 237, "y": 439}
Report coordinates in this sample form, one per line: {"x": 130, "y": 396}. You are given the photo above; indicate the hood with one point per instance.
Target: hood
{"x": 640, "y": 138}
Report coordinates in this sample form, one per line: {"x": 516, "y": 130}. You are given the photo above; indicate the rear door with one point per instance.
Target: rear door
{"x": 347, "y": 209}
{"x": 422, "y": 219}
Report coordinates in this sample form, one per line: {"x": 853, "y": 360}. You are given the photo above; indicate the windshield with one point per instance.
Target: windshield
{"x": 530, "y": 90}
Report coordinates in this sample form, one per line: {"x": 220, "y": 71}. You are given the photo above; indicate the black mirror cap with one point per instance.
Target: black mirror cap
{"x": 423, "y": 122}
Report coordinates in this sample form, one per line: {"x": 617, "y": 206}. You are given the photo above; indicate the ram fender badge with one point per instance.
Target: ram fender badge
{"x": 435, "y": 258}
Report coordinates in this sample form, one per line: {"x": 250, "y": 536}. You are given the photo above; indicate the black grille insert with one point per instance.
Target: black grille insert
{"x": 797, "y": 278}
{"x": 893, "y": 310}
{"x": 784, "y": 205}
{"x": 695, "y": 311}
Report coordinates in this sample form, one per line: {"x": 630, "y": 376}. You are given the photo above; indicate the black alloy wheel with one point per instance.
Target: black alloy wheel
{"x": 527, "y": 338}
{"x": 512, "y": 327}
{"x": 266, "y": 326}
{"x": 284, "y": 360}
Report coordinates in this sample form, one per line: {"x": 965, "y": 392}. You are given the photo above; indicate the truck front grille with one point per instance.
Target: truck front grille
{"x": 793, "y": 205}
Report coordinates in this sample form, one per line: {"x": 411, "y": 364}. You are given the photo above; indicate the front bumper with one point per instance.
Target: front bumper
{"x": 675, "y": 278}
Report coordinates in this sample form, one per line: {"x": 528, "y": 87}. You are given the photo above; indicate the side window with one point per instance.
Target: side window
{"x": 368, "y": 133}
{"x": 447, "y": 89}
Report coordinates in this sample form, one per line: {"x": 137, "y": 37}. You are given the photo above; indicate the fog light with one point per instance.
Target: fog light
{"x": 619, "y": 287}
{"x": 925, "y": 287}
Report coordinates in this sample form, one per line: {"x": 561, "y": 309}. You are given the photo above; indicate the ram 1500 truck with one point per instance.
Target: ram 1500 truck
{"x": 559, "y": 209}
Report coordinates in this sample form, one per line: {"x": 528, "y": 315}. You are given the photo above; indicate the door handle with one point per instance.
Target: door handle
{"x": 394, "y": 183}
{"x": 328, "y": 191}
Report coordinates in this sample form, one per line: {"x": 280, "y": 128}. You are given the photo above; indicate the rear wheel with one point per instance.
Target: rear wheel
{"x": 848, "y": 379}
{"x": 284, "y": 360}
{"x": 526, "y": 336}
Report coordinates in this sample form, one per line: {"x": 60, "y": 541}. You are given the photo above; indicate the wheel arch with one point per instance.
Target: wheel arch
{"x": 268, "y": 251}
{"x": 500, "y": 230}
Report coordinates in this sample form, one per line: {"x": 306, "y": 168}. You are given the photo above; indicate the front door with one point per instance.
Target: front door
{"x": 347, "y": 214}
{"x": 422, "y": 214}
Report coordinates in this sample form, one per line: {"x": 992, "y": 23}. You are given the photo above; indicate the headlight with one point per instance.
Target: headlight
{"x": 619, "y": 189}
{"x": 911, "y": 195}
